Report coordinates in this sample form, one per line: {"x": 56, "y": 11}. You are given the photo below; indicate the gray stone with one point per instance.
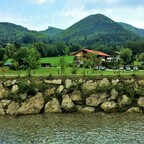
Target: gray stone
{"x": 32, "y": 106}
{"x": 57, "y": 82}
{"x": 96, "y": 99}
{"x": 50, "y": 91}
{"x": 3, "y": 92}
{"x": 85, "y": 109}
{"x": 134, "y": 110}
{"x": 89, "y": 85}
{"x": 60, "y": 88}
{"x": 76, "y": 96}
{"x": 67, "y": 103}
{"x": 104, "y": 82}
{"x": 141, "y": 102}
{"x": 9, "y": 82}
{"x": 53, "y": 106}
{"x": 3, "y": 106}
{"x": 114, "y": 94}
{"x": 68, "y": 83}
{"x": 124, "y": 100}
{"x": 12, "y": 108}
{"x": 115, "y": 82}
{"x": 14, "y": 88}
{"x": 109, "y": 106}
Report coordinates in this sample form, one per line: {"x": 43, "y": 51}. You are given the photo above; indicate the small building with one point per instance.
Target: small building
{"x": 83, "y": 54}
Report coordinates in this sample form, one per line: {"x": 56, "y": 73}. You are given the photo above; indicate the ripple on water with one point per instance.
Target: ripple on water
{"x": 73, "y": 129}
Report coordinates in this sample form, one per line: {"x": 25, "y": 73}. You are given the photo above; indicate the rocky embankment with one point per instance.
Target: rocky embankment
{"x": 34, "y": 96}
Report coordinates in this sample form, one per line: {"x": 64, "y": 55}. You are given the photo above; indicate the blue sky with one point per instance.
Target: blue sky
{"x": 39, "y": 14}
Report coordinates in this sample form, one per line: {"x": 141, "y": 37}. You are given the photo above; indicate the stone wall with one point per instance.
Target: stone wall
{"x": 35, "y": 96}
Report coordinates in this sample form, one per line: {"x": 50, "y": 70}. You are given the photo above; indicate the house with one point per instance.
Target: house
{"x": 83, "y": 54}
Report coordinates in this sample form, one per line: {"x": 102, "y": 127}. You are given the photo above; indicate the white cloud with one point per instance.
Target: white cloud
{"x": 40, "y": 1}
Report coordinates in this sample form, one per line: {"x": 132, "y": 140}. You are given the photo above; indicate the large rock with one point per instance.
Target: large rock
{"x": 3, "y": 92}
{"x": 89, "y": 85}
{"x": 104, "y": 82}
{"x": 14, "y": 88}
{"x": 3, "y": 106}
{"x": 141, "y": 82}
{"x": 115, "y": 82}
{"x": 141, "y": 102}
{"x": 32, "y": 106}
{"x": 96, "y": 99}
{"x": 109, "y": 106}
{"x": 60, "y": 88}
{"x": 76, "y": 97}
{"x": 53, "y": 106}
{"x": 12, "y": 108}
{"x": 57, "y": 82}
{"x": 68, "y": 83}
{"x": 9, "y": 83}
{"x": 85, "y": 109}
{"x": 124, "y": 100}
{"x": 134, "y": 110}
{"x": 67, "y": 103}
{"x": 113, "y": 94}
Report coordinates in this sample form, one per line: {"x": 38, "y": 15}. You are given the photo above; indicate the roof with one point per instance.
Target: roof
{"x": 99, "y": 53}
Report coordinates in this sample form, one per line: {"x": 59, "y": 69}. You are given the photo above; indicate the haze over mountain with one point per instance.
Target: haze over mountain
{"x": 94, "y": 30}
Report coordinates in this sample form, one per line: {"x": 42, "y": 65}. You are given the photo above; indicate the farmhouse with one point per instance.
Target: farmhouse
{"x": 83, "y": 54}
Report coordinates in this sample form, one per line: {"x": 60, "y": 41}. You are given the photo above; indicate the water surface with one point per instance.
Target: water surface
{"x": 73, "y": 129}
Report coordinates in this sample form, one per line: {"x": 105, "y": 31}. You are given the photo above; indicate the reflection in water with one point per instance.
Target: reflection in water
{"x": 73, "y": 129}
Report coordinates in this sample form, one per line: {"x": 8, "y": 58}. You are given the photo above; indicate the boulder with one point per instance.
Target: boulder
{"x": 53, "y": 106}
{"x": 141, "y": 102}
{"x": 12, "y": 108}
{"x": 89, "y": 85}
{"x": 96, "y": 99}
{"x": 14, "y": 88}
{"x": 68, "y": 83}
{"x": 85, "y": 109}
{"x": 67, "y": 103}
{"x": 3, "y": 106}
{"x": 115, "y": 82}
{"x": 109, "y": 106}
{"x": 50, "y": 91}
{"x": 60, "y": 88}
{"x": 76, "y": 97}
{"x": 113, "y": 94}
{"x": 9, "y": 83}
{"x": 134, "y": 110}
{"x": 32, "y": 106}
{"x": 141, "y": 82}
{"x": 57, "y": 82}
{"x": 124, "y": 100}
{"x": 104, "y": 82}
{"x": 3, "y": 92}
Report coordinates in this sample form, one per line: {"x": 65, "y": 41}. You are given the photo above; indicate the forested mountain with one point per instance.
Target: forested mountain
{"x": 10, "y": 33}
{"x": 133, "y": 29}
{"x": 95, "y": 31}
{"x": 98, "y": 31}
{"x": 52, "y": 31}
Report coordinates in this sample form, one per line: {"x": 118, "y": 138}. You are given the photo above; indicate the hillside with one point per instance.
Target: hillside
{"x": 52, "y": 31}
{"x": 133, "y": 29}
{"x": 98, "y": 30}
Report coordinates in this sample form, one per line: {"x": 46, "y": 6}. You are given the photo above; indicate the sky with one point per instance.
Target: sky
{"x": 39, "y": 14}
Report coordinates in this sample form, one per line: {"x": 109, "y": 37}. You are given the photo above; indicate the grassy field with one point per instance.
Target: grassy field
{"x": 54, "y": 61}
{"x": 46, "y": 71}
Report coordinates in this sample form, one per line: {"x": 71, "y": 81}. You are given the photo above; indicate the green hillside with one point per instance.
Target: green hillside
{"x": 52, "y": 31}
{"x": 133, "y": 29}
{"x": 98, "y": 29}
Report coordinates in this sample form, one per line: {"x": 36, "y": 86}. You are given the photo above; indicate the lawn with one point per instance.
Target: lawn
{"x": 54, "y": 61}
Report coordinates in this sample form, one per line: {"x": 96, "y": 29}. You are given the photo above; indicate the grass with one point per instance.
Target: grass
{"x": 55, "y": 71}
{"x": 54, "y": 61}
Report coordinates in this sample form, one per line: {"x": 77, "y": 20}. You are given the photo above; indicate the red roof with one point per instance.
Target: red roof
{"x": 94, "y": 52}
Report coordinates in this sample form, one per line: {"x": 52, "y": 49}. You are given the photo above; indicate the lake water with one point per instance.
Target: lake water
{"x": 73, "y": 129}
